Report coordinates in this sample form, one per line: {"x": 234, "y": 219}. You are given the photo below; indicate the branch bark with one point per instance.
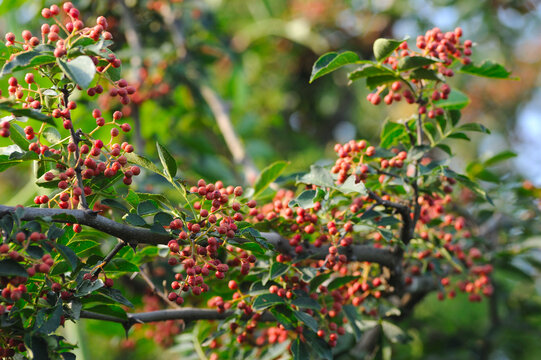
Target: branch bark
{"x": 186, "y": 314}
{"x": 138, "y": 235}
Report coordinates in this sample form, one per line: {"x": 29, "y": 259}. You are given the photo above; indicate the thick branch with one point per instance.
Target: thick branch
{"x": 130, "y": 234}
{"x": 186, "y": 314}
{"x": 137, "y": 235}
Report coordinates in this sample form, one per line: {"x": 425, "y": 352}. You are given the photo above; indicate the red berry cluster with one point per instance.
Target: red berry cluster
{"x": 446, "y": 48}
{"x": 216, "y": 214}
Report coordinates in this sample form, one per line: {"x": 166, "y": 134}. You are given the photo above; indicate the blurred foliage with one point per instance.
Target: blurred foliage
{"x": 257, "y": 55}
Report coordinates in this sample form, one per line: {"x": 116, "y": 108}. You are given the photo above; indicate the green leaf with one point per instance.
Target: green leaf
{"x": 413, "y": 62}
{"x": 445, "y": 148}
{"x": 115, "y": 204}
{"x": 147, "y": 207}
{"x": 488, "y": 69}
{"x": 116, "y": 295}
{"x": 369, "y": 70}
{"x": 265, "y": 301}
{"x": 305, "y": 200}
{"x": 383, "y": 48}
{"x": 6, "y": 105}
{"x": 132, "y": 198}
{"x": 426, "y": 74}
{"x": 10, "y": 267}
{"x": 473, "y": 127}
{"x": 143, "y": 162}
{"x": 86, "y": 287}
{"x": 307, "y": 320}
{"x": 268, "y": 175}
{"x": 319, "y": 345}
{"x": 306, "y": 302}
{"x": 393, "y": 332}
{"x": 375, "y": 81}
{"x": 68, "y": 254}
{"x": 135, "y": 220}
{"x": 168, "y": 162}
{"x": 502, "y": 156}
{"x": 349, "y": 187}
{"x": 80, "y": 70}
{"x": 353, "y": 316}
{"x": 52, "y": 135}
{"x": 318, "y": 176}
{"x": 18, "y": 137}
{"x": 25, "y": 60}
{"x": 52, "y": 321}
{"x": 284, "y": 316}
{"x": 457, "y": 100}
{"x": 299, "y": 350}
{"x": 341, "y": 281}
{"x": 331, "y": 61}
{"x": 318, "y": 280}
{"x": 278, "y": 269}
{"x": 391, "y": 134}
{"x": 120, "y": 265}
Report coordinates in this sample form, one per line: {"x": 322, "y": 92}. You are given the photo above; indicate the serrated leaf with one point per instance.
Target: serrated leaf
{"x": 457, "y": 100}
{"x": 9, "y": 267}
{"x": 383, "y": 48}
{"x": 168, "y": 162}
{"x": 412, "y": 62}
{"x": 329, "y": 62}
{"x": 349, "y": 186}
{"x": 80, "y": 70}
{"x": 305, "y": 200}
{"x": 51, "y": 135}
{"x": 488, "y": 69}
{"x": 267, "y": 300}
{"x": 318, "y": 176}
{"x": 267, "y": 176}
{"x": 307, "y": 320}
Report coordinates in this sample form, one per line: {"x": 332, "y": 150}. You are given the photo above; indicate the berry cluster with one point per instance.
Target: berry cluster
{"x": 216, "y": 213}
{"x": 446, "y": 49}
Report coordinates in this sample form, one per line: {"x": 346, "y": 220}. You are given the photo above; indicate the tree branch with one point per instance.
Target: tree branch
{"x": 138, "y": 235}
{"x": 186, "y": 314}
{"x": 226, "y": 127}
